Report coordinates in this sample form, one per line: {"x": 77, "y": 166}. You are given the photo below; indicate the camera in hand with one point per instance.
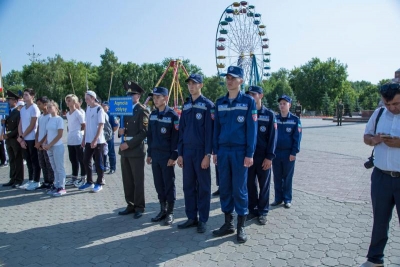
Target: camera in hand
{"x": 370, "y": 163}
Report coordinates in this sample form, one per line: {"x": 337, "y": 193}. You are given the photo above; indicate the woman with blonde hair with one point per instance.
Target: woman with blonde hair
{"x": 55, "y": 148}
{"x": 76, "y": 124}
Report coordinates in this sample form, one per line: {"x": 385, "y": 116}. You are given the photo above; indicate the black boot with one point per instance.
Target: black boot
{"x": 241, "y": 234}
{"x": 163, "y": 212}
{"x": 169, "y": 219}
{"x": 227, "y": 228}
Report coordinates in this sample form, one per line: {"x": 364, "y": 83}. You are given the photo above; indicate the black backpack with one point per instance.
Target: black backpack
{"x": 107, "y": 130}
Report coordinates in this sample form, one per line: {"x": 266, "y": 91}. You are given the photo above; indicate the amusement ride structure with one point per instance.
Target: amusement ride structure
{"x": 241, "y": 40}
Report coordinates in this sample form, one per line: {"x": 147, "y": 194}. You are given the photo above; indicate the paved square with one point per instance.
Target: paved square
{"x": 329, "y": 223}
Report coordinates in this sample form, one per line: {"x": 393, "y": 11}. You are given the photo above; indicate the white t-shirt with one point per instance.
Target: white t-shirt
{"x": 94, "y": 116}
{"x": 43, "y": 119}
{"x": 26, "y": 115}
{"x": 52, "y": 127}
{"x": 75, "y": 121}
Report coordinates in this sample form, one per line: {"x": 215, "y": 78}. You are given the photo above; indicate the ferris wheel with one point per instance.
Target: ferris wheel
{"x": 241, "y": 40}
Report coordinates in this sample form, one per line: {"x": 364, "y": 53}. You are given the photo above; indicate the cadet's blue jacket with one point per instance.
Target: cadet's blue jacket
{"x": 289, "y": 133}
{"x": 163, "y": 133}
{"x": 196, "y": 125}
{"x": 266, "y": 134}
{"x": 235, "y": 123}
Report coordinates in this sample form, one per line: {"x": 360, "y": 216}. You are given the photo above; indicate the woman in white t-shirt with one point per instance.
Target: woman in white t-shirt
{"x": 76, "y": 125}
{"x": 55, "y": 148}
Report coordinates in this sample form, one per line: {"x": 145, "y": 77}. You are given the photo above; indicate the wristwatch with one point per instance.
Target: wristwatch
{"x": 208, "y": 155}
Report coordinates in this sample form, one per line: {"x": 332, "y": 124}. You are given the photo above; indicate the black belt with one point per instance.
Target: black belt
{"x": 393, "y": 174}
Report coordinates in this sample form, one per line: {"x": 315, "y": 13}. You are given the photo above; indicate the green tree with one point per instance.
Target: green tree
{"x": 311, "y": 80}
{"x": 214, "y": 88}
{"x": 326, "y": 105}
{"x": 109, "y": 67}
{"x": 13, "y": 81}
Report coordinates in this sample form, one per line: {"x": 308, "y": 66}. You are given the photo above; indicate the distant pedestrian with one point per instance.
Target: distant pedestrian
{"x": 110, "y": 143}
{"x": 287, "y": 147}
{"x": 162, "y": 152}
{"x": 339, "y": 112}
{"x": 55, "y": 148}
{"x": 298, "y": 109}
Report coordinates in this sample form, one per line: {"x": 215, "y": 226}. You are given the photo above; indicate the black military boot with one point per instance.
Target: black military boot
{"x": 163, "y": 212}
{"x": 227, "y": 228}
{"x": 169, "y": 219}
{"x": 241, "y": 234}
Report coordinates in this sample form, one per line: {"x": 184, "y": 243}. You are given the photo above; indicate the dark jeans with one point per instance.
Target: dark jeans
{"x": 111, "y": 155}
{"x": 45, "y": 165}
{"x": 2, "y": 153}
{"x": 76, "y": 157}
{"x": 14, "y": 151}
{"x": 385, "y": 194}
{"x": 87, "y": 161}
{"x": 32, "y": 160}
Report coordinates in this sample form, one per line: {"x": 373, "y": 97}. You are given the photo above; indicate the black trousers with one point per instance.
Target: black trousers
{"x": 3, "y": 158}
{"x": 76, "y": 158}
{"x": 45, "y": 165}
{"x": 32, "y": 160}
{"x": 15, "y": 160}
{"x": 98, "y": 152}
{"x": 133, "y": 181}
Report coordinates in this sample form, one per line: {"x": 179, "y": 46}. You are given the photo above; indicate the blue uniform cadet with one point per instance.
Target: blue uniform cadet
{"x": 234, "y": 139}
{"x": 265, "y": 149}
{"x": 288, "y": 144}
{"x": 162, "y": 141}
{"x": 195, "y": 143}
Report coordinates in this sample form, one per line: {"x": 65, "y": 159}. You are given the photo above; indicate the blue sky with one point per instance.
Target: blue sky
{"x": 364, "y": 34}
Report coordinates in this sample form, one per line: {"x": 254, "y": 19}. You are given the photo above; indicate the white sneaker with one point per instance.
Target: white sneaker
{"x": 70, "y": 181}
{"x": 60, "y": 192}
{"x": 33, "y": 186}
{"x": 25, "y": 185}
{"x": 80, "y": 182}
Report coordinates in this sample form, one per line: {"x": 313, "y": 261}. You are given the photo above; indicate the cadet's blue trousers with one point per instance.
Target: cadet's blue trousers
{"x": 258, "y": 202}
{"x": 283, "y": 170}
{"x": 232, "y": 180}
{"x": 196, "y": 185}
{"x": 164, "y": 176}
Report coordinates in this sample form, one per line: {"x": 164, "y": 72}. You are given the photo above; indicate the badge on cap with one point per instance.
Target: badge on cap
{"x": 129, "y": 83}
{"x": 231, "y": 68}
{"x": 240, "y": 119}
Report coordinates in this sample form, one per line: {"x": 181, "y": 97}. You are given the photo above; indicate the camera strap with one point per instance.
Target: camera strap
{"x": 376, "y": 125}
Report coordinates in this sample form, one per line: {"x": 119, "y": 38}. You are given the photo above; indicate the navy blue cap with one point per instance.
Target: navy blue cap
{"x": 105, "y": 103}
{"x": 286, "y": 98}
{"x": 159, "y": 91}
{"x": 255, "y": 89}
{"x": 197, "y": 78}
{"x": 234, "y": 71}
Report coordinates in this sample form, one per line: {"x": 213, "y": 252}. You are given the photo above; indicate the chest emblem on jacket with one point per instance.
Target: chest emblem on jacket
{"x": 240, "y": 119}
{"x": 263, "y": 129}
{"x": 288, "y": 130}
{"x": 163, "y": 130}
{"x": 199, "y": 116}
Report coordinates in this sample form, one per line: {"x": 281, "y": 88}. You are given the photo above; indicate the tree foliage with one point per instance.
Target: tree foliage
{"x": 316, "y": 84}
